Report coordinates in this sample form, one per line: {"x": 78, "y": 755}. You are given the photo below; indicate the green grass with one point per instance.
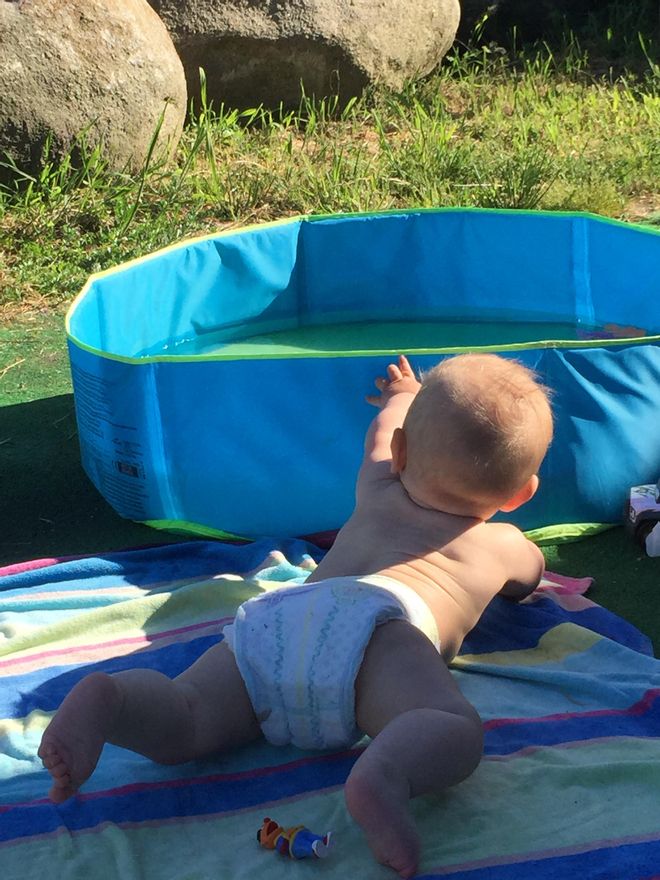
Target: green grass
{"x": 526, "y": 129}
{"x": 33, "y": 358}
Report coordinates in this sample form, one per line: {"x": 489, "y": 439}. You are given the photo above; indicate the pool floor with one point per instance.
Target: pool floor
{"x": 376, "y": 336}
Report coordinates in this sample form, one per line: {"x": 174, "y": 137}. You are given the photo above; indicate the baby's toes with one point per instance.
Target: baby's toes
{"x": 53, "y": 760}
{"x": 49, "y": 757}
{"x": 61, "y": 791}
{"x": 60, "y": 773}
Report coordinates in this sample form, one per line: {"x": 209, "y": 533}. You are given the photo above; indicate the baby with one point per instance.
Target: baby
{"x": 362, "y": 647}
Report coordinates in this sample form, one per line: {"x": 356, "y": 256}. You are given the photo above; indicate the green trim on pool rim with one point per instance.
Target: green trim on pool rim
{"x": 556, "y": 534}
{"x": 564, "y": 533}
{"x": 313, "y": 218}
{"x": 376, "y": 352}
{"x": 182, "y": 527}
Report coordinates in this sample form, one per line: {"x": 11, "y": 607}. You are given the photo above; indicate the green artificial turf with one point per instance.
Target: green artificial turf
{"x": 33, "y": 360}
{"x": 625, "y": 580}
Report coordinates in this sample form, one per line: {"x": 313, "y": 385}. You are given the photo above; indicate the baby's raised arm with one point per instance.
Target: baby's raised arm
{"x": 396, "y": 392}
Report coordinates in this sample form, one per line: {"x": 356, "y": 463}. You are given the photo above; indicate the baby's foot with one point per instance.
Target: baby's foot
{"x": 72, "y": 743}
{"x": 274, "y": 558}
{"x": 377, "y": 798}
{"x": 307, "y": 562}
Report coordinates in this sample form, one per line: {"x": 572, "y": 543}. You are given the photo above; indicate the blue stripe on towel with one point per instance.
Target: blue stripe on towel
{"x": 640, "y": 720}
{"x": 509, "y": 626}
{"x": 623, "y": 861}
{"x": 171, "y": 800}
{"x": 45, "y": 689}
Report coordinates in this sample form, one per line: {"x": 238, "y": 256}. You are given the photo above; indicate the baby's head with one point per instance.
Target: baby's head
{"x": 475, "y": 435}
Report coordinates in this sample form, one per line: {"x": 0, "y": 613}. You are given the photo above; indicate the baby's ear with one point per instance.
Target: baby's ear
{"x": 398, "y": 448}
{"x": 522, "y": 495}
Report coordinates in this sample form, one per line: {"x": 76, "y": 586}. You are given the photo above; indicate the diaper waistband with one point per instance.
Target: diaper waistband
{"x": 417, "y": 611}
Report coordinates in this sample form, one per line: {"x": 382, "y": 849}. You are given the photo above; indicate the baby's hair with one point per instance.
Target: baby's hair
{"x": 479, "y": 427}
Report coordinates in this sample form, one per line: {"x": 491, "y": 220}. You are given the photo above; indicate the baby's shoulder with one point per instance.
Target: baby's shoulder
{"x": 503, "y": 530}
{"x": 499, "y": 531}
{"x": 503, "y": 539}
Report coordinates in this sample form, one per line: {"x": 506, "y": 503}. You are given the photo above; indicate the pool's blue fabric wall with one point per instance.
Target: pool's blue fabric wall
{"x": 272, "y": 446}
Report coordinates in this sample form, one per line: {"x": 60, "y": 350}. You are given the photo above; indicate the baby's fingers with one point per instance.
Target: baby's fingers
{"x": 394, "y": 373}
{"x": 404, "y": 366}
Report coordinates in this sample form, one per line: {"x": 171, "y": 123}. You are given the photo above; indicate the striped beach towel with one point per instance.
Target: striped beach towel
{"x": 569, "y": 785}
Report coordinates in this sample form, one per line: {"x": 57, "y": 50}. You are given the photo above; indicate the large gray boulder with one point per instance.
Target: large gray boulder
{"x": 258, "y": 51}
{"x": 106, "y": 66}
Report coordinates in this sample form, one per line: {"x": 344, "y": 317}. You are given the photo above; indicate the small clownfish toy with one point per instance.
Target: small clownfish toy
{"x": 297, "y": 842}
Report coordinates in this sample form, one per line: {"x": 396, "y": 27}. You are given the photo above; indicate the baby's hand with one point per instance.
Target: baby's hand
{"x": 400, "y": 379}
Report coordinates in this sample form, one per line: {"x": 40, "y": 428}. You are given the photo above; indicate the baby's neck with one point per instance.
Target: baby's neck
{"x": 447, "y": 504}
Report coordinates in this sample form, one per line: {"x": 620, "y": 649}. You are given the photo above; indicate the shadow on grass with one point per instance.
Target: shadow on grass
{"x": 48, "y": 506}
{"x": 618, "y": 36}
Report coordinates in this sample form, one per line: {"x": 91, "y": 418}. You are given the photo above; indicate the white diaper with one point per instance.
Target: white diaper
{"x": 299, "y": 649}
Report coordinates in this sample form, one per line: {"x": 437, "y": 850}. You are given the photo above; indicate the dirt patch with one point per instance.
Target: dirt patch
{"x": 643, "y": 207}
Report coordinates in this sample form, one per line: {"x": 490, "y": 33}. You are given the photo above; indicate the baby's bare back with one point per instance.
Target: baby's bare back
{"x": 455, "y": 564}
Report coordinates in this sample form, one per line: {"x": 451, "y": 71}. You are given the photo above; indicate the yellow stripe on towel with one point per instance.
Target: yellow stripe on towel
{"x": 553, "y": 647}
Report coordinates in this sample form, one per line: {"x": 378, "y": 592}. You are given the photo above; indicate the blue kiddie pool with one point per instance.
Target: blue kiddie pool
{"x": 219, "y": 384}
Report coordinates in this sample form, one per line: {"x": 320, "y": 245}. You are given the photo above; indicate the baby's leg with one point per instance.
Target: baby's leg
{"x": 204, "y": 710}
{"x": 426, "y": 737}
